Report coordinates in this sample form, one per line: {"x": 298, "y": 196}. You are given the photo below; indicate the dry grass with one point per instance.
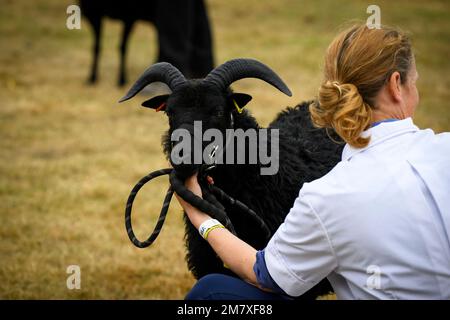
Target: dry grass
{"x": 70, "y": 154}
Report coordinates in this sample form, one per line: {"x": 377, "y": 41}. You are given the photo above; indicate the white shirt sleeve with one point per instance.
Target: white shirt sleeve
{"x": 300, "y": 253}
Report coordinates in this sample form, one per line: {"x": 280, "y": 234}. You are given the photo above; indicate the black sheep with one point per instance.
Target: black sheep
{"x": 305, "y": 152}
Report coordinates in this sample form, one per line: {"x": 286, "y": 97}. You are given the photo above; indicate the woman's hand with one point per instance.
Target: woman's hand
{"x": 235, "y": 253}
{"x": 195, "y": 216}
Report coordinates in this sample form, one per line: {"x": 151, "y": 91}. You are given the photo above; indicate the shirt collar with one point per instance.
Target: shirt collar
{"x": 380, "y": 133}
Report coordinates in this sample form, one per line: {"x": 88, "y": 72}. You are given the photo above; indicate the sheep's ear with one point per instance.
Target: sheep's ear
{"x": 239, "y": 100}
{"x": 158, "y": 103}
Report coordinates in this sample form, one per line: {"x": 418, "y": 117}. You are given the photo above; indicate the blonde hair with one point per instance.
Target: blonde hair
{"x": 358, "y": 63}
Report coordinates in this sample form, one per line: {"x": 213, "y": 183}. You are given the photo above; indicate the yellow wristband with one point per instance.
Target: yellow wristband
{"x": 217, "y": 226}
{"x": 207, "y": 226}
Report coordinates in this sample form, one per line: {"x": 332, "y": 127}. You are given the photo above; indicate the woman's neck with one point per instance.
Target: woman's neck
{"x": 389, "y": 111}
{"x": 387, "y": 108}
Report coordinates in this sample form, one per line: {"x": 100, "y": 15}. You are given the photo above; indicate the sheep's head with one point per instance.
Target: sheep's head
{"x": 207, "y": 100}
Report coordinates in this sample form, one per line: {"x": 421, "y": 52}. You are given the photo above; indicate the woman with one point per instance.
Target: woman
{"x": 378, "y": 225}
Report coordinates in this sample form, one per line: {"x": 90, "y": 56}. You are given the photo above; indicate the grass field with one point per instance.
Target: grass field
{"x": 70, "y": 154}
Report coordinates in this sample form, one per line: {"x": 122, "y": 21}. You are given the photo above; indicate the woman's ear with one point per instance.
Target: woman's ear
{"x": 394, "y": 86}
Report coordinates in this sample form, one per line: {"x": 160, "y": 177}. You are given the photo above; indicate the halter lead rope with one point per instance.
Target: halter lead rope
{"x": 208, "y": 205}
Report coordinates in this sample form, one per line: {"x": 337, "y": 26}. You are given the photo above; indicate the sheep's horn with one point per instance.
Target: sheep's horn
{"x": 224, "y": 75}
{"x": 163, "y": 72}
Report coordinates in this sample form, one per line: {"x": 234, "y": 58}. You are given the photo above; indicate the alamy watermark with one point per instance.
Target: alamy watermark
{"x": 374, "y": 280}
{"x": 236, "y": 146}
{"x": 73, "y": 21}
{"x": 374, "y": 20}
{"x": 74, "y": 280}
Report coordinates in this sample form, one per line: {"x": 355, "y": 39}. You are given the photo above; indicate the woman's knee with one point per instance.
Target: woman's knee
{"x": 205, "y": 286}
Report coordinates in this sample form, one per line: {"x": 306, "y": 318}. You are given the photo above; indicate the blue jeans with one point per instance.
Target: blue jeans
{"x": 223, "y": 287}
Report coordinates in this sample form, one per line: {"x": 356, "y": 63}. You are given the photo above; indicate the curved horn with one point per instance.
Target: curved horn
{"x": 224, "y": 75}
{"x": 163, "y": 72}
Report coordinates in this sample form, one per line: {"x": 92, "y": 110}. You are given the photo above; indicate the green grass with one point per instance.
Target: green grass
{"x": 70, "y": 154}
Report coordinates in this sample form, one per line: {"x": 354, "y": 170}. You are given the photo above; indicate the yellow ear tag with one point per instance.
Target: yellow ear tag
{"x": 237, "y": 107}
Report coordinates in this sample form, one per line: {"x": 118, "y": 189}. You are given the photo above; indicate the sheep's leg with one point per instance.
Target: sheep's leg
{"x": 127, "y": 27}
{"x": 96, "y": 27}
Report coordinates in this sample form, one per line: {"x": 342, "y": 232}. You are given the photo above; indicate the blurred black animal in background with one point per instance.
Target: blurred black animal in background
{"x": 183, "y": 29}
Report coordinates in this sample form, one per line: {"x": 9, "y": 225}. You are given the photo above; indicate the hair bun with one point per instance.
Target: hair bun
{"x": 334, "y": 92}
{"x": 337, "y": 85}
{"x": 342, "y": 107}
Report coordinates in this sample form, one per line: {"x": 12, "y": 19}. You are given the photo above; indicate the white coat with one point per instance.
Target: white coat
{"x": 377, "y": 225}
